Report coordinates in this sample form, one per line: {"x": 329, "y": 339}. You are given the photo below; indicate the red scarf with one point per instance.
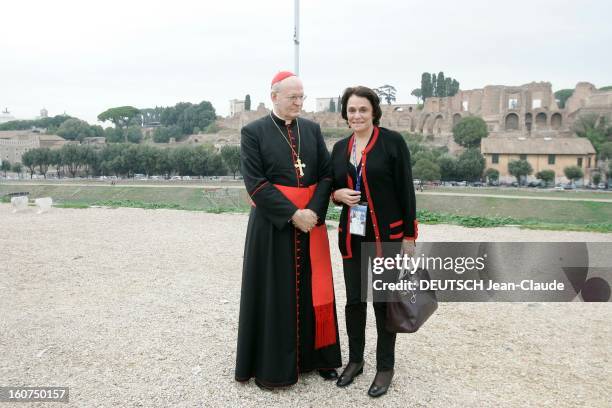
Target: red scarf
{"x": 320, "y": 265}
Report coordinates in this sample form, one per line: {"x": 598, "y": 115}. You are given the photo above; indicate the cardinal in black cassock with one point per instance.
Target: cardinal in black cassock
{"x": 288, "y": 321}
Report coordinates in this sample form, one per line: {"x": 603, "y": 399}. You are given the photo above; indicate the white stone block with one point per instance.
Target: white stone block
{"x": 44, "y": 204}
{"x": 19, "y": 203}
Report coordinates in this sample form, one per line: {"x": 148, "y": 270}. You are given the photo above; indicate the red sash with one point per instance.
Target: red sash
{"x": 320, "y": 265}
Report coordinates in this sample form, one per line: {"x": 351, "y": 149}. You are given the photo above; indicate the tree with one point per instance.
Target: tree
{"x": 547, "y": 176}
{"x": 386, "y": 92}
{"x": 492, "y": 175}
{"x": 434, "y": 85}
{"x": 426, "y": 86}
{"x": 418, "y": 94}
{"x": 448, "y": 86}
{"x": 120, "y": 116}
{"x": 332, "y": 105}
{"x": 188, "y": 116}
{"x": 75, "y": 129}
{"x": 247, "y": 102}
{"x": 573, "y": 173}
{"x": 206, "y": 162}
{"x": 595, "y": 128}
{"x": 469, "y": 131}
{"x": 217, "y": 166}
{"x": 454, "y": 88}
{"x": 440, "y": 85}
{"x": 133, "y": 134}
{"x": 448, "y": 167}
{"x": 72, "y": 158}
{"x": 426, "y": 170}
{"x": 90, "y": 158}
{"x": 170, "y": 115}
{"x": 562, "y": 96}
{"x": 43, "y": 123}
{"x": 5, "y": 166}
{"x": 43, "y": 158}
{"x": 596, "y": 178}
{"x": 470, "y": 165}
{"x": 605, "y": 151}
{"x": 200, "y": 115}
{"x": 519, "y": 169}
{"x": 113, "y": 135}
{"x": 17, "y": 168}
{"x": 29, "y": 160}
{"x": 56, "y": 160}
{"x": 163, "y": 162}
{"x": 231, "y": 158}
{"x": 163, "y": 134}
{"x": 181, "y": 160}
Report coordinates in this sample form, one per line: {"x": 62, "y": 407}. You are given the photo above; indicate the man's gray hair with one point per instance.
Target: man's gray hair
{"x": 276, "y": 87}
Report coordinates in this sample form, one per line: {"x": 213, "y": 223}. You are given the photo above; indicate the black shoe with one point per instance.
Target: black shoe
{"x": 351, "y": 371}
{"x": 381, "y": 383}
{"x": 262, "y": 386}
{"x": 328, "y": 374}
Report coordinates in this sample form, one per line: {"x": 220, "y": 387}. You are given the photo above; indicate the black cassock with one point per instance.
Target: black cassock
{"x": 276, "y": 328}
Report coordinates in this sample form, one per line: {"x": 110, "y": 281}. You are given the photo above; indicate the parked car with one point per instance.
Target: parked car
{"x": 601, "y": 186}
{"x": 569, "y": 186}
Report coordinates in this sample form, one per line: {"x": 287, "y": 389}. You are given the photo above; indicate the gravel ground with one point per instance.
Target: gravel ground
{"x": 132, "y": 307}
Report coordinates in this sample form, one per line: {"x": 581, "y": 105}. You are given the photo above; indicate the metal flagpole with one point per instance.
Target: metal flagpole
{"x": 296, "y": 37}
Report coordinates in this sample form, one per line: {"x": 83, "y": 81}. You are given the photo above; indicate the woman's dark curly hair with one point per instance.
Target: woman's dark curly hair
{"x": 364, "y": 92}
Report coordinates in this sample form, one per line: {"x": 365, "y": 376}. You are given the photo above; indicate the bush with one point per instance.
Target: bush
{"x": 547, "y": 176}
{"x": 492, "y": 174}
{"x": 573, "y": 172}
{"x": 519, "y": 169}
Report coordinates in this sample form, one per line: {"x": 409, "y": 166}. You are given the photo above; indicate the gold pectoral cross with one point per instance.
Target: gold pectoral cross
{"x": 299, "y": 165}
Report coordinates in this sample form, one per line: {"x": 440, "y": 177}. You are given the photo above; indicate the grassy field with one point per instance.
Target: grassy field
{"x": 528, "y": 192}
{"x": 463, "y": 210}
{"x": 197, "y": 199}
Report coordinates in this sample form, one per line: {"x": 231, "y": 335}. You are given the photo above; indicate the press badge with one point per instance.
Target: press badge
{"x": 358, "y": 219}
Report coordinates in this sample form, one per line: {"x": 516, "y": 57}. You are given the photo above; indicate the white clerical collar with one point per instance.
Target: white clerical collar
{"x": 281, "y": 118}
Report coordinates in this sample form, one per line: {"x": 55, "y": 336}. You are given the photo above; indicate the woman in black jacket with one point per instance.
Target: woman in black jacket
{"x": 372, "y": 177}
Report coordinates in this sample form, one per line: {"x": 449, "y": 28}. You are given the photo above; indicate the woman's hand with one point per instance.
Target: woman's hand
{"x": 408, "y": 247}
{"x": 347, "y": 196}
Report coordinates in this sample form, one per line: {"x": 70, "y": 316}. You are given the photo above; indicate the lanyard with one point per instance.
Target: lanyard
{"x": 354, "y": 154}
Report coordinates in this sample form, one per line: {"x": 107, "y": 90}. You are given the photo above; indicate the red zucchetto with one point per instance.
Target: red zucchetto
{"x": 280, "y": 76}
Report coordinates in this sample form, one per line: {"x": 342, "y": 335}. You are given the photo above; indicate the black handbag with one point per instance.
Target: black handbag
{"x": 408, "y": 310}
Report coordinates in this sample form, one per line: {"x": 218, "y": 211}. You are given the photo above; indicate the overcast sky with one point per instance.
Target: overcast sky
{"x": 83, "y": 57}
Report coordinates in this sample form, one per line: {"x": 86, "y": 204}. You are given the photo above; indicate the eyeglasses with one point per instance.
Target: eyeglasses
{"x": 295, "y": 98}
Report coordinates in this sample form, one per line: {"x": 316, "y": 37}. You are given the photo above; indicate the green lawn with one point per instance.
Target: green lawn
{"x": 462, "y": 210}
{"x": 530, "y": 192}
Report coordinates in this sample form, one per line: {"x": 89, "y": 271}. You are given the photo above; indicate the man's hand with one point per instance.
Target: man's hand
{"x": 304, "y": 220}
{"x": 347, "y": 196}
